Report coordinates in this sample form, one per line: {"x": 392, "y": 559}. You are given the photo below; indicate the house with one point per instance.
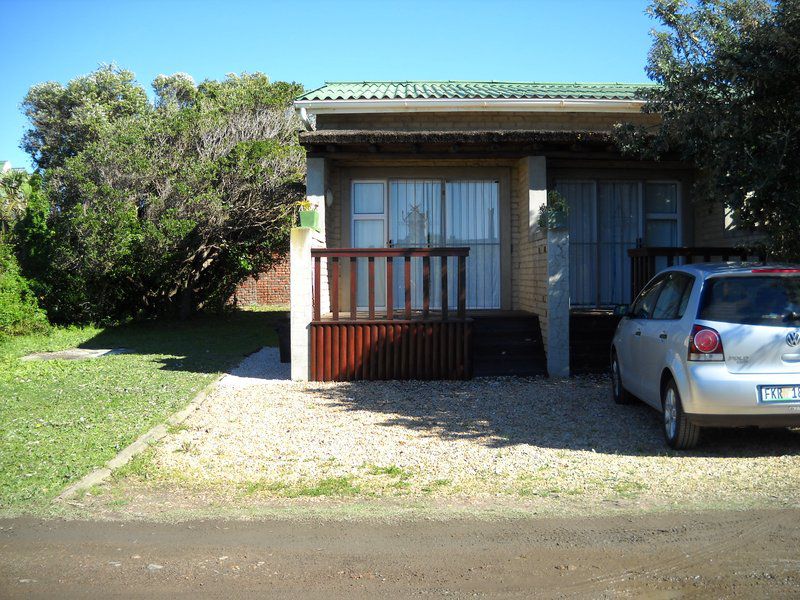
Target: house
{"x": 430, "y": 259}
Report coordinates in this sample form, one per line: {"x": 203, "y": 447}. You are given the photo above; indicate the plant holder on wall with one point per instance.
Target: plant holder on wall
{"x": 309, "y": 218}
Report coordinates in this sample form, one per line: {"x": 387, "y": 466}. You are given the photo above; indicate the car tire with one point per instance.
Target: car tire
{"x": 618, "y": 391}
{"x": 680, "y": 433}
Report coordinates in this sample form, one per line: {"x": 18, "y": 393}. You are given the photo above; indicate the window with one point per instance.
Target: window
{"x": 661, "y": 217}
{"x": 752, "y": 300}
{"x": 645, "y": 303}
{"x": 674, "y": 296}
{"x": 369, "y": 231}
{"x": 421, "y": 213}
{"x": 608, "y": 218}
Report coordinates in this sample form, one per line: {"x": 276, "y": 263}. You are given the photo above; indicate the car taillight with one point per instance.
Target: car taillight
{"x": 705, "y": 344}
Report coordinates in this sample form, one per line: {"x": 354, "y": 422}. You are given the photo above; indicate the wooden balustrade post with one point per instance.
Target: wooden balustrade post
{"x": 462, "y": 287}
{"x": 317, "y": 291}
{"x": 335, "y": 287}
{"x": 426, "y": 286}
{"x": 390, "y": 288}
{"x": 353, "y": 288}
{"x": 371, "y": 286}
{"x": 407, "y": 285}
{"x": 443, "y": 260}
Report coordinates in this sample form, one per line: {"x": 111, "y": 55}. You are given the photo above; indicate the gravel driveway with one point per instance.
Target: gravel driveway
{"x": 523, "y": 438}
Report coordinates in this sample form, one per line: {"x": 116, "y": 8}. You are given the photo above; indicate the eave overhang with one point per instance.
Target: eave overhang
{"x": 320, "y": 107}
{"x": 505, "y": 136}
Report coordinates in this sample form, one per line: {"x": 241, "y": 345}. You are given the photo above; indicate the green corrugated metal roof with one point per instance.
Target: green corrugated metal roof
{"x": 412, "y": 90}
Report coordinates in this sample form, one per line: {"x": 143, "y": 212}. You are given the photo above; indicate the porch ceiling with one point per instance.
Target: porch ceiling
{"x": 490, "y": 142}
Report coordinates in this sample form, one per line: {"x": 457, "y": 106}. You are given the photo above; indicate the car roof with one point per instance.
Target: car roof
{"x": 710, "y": 269}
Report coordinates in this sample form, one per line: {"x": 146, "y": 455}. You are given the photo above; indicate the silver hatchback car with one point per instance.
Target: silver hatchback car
{"x": 713, "y": 345}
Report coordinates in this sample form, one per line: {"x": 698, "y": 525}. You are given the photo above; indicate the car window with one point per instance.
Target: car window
{"x": 672, "y": 300}
{"x": 643, "y": 307}
{"x": 687, "y": 293}
{"x": 752, "y": 300}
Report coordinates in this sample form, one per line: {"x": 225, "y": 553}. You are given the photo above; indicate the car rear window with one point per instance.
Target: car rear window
{"x": 752, "y": 300}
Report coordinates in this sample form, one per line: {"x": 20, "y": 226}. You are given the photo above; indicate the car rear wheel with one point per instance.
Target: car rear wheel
{"x": 678, "y": 431}
{"x": 618, "y": 391}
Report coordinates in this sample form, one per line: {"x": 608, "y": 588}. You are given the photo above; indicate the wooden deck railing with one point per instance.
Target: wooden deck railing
{"x": 378, "y": 344}
{"x": 336, "y": 255}
{"x": 643, "y": 260}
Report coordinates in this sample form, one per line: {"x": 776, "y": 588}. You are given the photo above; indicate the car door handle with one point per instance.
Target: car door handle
{"x": 663, "y": 335}
{"x": 637, "y": 332}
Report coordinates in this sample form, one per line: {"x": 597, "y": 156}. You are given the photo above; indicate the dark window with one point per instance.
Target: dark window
{"x": 674, "y": 296}
{"x": 752, "y": 300}
{"x": 643, "y": 307}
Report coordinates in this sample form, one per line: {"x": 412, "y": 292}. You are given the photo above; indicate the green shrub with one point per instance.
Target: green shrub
{"x": 19, "y": 310}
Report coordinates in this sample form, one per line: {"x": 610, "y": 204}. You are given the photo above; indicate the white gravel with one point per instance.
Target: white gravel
{"x": 523, "y": 437}
{"x": 260, "y": 368}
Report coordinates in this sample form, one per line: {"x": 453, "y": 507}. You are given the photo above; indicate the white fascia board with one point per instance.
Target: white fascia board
{"x": 469, "y": 105}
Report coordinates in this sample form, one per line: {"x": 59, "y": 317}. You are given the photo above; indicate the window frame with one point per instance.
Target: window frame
{"x": 641, "y": 184}
{"x": 677, "y": 216}
{"x": 657, "y": 281}
{"x": 384, "y": 216}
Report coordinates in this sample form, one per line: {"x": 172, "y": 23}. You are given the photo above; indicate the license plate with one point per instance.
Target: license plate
{"x": 779, "y": 393}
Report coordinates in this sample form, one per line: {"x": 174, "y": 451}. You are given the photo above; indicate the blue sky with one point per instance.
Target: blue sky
{"x": 313, "y": 41}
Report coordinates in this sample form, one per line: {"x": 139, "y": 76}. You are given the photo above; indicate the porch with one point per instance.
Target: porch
{"x": 376, "y": 319}
{"x": 401, "y": 313}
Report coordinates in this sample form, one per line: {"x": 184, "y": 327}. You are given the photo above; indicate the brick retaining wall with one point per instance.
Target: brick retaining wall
{"x": 270, "y": 288}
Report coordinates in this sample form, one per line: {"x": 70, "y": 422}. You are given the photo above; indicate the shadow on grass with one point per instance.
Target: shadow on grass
{"x": 574, "y": 415}
{"x": 202, "y": 344}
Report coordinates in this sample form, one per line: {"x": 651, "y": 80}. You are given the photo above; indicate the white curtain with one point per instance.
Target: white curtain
{"x": 467, "y": 215}
{"x": 472, "y": 219}
{"x": 604, "y": 222}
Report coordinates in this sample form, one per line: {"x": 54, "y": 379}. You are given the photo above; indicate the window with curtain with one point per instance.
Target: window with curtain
{"x": 606, "y": 219}
{"x": 420, "y": 213}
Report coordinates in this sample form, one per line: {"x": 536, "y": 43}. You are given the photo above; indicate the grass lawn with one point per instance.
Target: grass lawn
{"x": 60, "y": 419}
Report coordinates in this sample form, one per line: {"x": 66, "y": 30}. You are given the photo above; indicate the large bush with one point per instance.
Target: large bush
{"x": 729, "y": 100}
{"x": 19, "y": 311}
{"x": 157, "y": 208}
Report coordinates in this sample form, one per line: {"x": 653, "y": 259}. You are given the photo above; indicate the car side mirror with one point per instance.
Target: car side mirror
{"x": 621, "y": 310}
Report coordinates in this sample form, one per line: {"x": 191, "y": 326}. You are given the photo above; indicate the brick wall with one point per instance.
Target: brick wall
{"x": 710, "y": 228}
{"x": 269, "y": 288}
{"x": 529, "y": 251}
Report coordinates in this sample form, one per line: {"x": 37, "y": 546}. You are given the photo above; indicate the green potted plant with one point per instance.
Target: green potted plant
{"x": 309, "y": 216}
{"x": 554, "y": 214}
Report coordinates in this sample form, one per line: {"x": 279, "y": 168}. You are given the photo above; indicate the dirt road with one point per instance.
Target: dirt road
{"x": 720, "y": 554}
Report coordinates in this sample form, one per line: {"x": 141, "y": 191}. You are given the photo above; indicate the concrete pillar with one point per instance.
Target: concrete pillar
{"x": 315, "y": 194}
{"x": 556, "y": 323}
{"x": 537, "y": 189}
{"x": 558, "y": 302}
{"x": 301, "y": 308}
